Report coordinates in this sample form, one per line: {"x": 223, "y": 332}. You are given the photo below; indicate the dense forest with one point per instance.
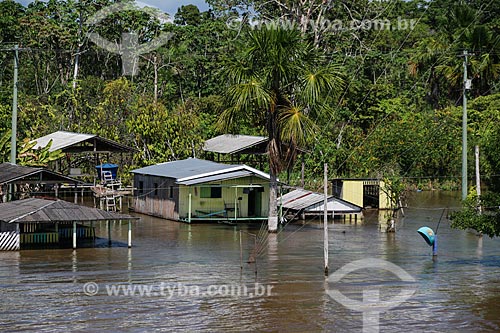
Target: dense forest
{"x": 391, "y": 74}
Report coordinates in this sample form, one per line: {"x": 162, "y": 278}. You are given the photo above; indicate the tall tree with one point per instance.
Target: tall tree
{"x": 279, "y": 82}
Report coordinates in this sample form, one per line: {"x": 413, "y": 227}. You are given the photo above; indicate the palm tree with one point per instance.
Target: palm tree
{"x": 279, "y": 82}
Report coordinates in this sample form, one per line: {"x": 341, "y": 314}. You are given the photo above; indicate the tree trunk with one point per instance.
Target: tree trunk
{"x": 155, "y": 66}
{"x": 273, "y": 204}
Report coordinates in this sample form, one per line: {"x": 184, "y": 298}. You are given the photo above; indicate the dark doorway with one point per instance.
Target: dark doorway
{"x": 371, "y": 196}
{"x": 254, "y": 202}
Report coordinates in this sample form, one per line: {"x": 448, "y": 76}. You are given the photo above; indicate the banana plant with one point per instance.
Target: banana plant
{"x": 27, "y": 154}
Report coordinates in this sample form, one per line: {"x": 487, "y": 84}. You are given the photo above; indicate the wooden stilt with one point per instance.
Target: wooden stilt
{"x": 235, "y": 204}
{"x": 76, "y": 194}
{"x": 241, "y": 253}
{"x": 189, "y": 209}
{"x": 74, "y": 235}
{"x": 129, "y": 234}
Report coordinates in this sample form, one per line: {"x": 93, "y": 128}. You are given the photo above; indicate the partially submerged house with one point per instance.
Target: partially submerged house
{"x": 367, "y": 193}
{"x": 199, "y": 190}
{"x": 300, "y": 202}
{"x": 86, "y": 145}
{"x": 34, "y": 223}
{"x": 18, "y": 182}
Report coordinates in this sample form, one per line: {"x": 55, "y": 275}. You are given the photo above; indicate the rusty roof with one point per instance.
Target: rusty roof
{"x": 35, "y": 210}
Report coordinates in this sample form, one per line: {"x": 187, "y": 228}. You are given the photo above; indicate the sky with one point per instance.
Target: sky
{"x": 167, "y": 6}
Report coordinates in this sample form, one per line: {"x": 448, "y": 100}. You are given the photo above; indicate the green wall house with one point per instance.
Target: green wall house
{"x": 199, "y": 190}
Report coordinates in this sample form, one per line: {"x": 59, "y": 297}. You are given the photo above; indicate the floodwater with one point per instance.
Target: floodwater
{"x": 43, "y": 290}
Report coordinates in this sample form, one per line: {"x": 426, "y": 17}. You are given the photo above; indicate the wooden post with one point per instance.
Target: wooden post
{"x": 236, "y": 204}
{"x": 325, "y": 220}
{"x": 74, "y": 235}
{"x": 4, "y": 191}
{"x": 189, "y": 209}
{"x": 241, "y": 253}
{"x": 129, "y": 234}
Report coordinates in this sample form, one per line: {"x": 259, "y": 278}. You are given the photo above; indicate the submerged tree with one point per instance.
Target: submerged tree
{"x": 481, "y": 214}
{"x": 278, "y": 82}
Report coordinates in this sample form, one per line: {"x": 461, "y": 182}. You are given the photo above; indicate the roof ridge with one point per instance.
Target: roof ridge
{"x": 33, "y": 212}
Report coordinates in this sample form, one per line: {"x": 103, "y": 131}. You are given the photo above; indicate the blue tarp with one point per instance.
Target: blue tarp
{"x": 107, "y": 167}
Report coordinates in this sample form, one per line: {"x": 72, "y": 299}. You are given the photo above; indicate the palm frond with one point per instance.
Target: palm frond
{"x": 321, "y": 82}
{"x": 296, "y": 126}
{"x": 248, "y": 95}
{"x": 228, "y": 119}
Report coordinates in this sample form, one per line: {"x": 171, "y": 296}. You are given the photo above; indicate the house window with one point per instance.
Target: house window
{"x": 141, "y": 187}
{"x": 156, "y": 188}
{"x": 171, "y": 192}
{"x": 211, "y": 192}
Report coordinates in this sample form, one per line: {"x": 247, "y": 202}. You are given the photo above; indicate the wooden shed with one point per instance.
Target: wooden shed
{"x": 300, "y": 202}
{"x": 35, "y": 222}
{"x": 18, "y": 182}
{"x": 366, "y": 192}
{"x": 89, "y": 147}
{"x": 199, "y": 190}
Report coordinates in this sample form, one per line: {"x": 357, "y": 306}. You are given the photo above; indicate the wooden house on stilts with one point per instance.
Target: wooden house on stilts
{"x": 199, "y": 190}
{"x": 42, "y": 223}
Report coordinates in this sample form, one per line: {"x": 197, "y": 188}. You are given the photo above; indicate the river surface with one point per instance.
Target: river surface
{"x": 184, "y": 266}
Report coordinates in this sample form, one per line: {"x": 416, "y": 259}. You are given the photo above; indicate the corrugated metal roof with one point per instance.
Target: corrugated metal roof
{"x": 13, "y": 172}
{"x": 49, "y": 211}
{"x": 218, "y": 177}
{"x": 182, "y": 168}
{"x": 66, "y": 140}
{"x": 195, "y": 171}
{"x": 336, "y": 205}
{"x": 62, "y": 139}
{"x": 309, "y": 201}
{"x": 300, "y": 199}
{"x": 231, "y": 144}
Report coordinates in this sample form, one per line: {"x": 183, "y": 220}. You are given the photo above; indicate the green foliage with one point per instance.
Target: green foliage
{"x": 397, "y": 115}
{"x": 485, "y": 221}
{"x": 26, "y": 152}
{"x": 278, "y": 82}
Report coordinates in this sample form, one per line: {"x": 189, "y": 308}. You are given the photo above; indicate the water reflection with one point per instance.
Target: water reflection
{"x": 458, "y": 292}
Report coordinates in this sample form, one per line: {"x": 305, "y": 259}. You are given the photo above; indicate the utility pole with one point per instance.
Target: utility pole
{"x": 13, "y": 147}
{"x": 464, "y": 130}
{"x": 325, "y": 220}
{"x": 478, "y": 178}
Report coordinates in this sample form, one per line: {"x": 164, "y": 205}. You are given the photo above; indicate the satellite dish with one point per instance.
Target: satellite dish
{"x": 427, "y": 234}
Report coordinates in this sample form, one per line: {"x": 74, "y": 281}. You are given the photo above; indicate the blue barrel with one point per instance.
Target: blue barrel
{"x": 113, "y": 168}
